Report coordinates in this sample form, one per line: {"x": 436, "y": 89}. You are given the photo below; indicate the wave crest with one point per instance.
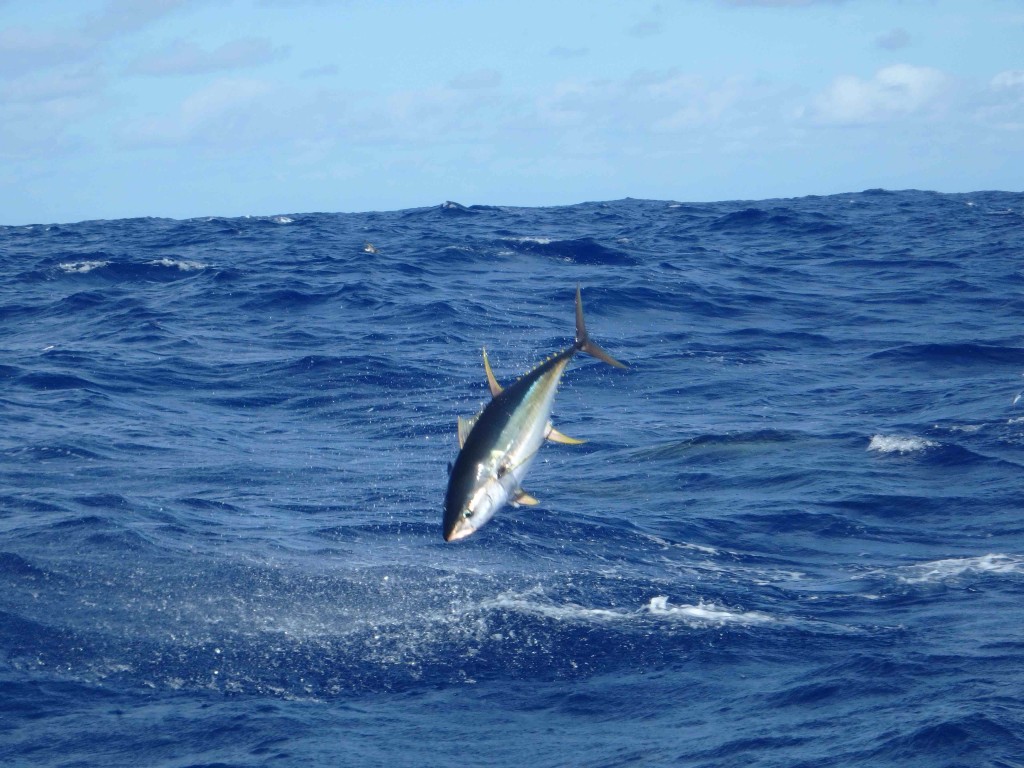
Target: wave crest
{"x": 899, "y": 444}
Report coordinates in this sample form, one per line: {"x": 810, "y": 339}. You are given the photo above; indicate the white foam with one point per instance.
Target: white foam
{"x": 899, "y": 444}
{"x": 702, "y": 613}
{"x": 81, "y": 267}
{"x": 538, "y": 240}
{"x": 939, "y": 571}
{"x": 181, "y": 264}
{"x": 559, "y": 612}
{"x": 282, "y": 220}
{"x": 679, "y": 545}
{"x": 967, "y": 428}
{"x": 705, "y": 613}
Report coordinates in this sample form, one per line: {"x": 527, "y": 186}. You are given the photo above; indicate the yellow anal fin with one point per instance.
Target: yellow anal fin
{"x": 491, "y": 381}
{"x": 465, "y": 427}
{"x": 522, "y": 497}
{"x": 557, "y": 437}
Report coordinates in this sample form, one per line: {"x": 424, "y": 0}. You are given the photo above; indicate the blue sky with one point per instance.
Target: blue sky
{"x": 181, "y": 108}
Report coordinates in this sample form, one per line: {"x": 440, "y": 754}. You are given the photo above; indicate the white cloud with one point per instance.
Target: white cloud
{"x": 1002, "y": 106}
{"x": 893, "y": 92}
{"x": 183, "y": 57}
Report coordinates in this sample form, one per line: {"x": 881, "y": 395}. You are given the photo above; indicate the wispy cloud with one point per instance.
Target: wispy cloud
{"x": 646, "y": 28}
{"x": 1011, "y": 79}
{"x": 327, "y": 70}
{"x": 780, "y": 3}
{"x": 893, "y": 40}
{"x": 481, "y": 78}
{"x": 229, "y": 112}
{"x": 183, "y": 57}
{"x": 52, "y": 85}
{"x": 120, "y": 17}
{"x": 24, "y": 50}
{"x": 564, "y": 52}
{"x": 38, "y": 111}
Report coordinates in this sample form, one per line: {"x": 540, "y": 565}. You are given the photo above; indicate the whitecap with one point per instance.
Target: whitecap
{"x": 181, "y": 264}
{"x": 81, "y": 267}
{"x": 705, "y": 613}
{"x": 282, "y": 220}
{"x": 658, "y": 607}
{"x": 899, "y": 444}
{"x": 939, "y": 571}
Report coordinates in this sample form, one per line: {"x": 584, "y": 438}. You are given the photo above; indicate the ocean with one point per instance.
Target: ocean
{"x": 794, "y": 536}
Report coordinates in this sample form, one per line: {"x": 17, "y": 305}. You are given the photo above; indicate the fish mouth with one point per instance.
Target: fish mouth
{"x": 459, "y": 531}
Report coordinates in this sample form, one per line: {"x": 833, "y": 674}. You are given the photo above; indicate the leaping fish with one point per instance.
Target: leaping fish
{"x": 499, "y": 443}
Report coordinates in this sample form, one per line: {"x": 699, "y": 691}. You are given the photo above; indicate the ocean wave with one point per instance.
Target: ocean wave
{"x": 705, "y": 613}
{"x": 777, "y": 219}
{"x": 584, "y": 250}
{"x": 949, "y": 570}
{"x": 223, "y": 458}
{"x": 154, "y": 269}
{"x": 943, "y": 571}
{"x": 946, "y": 355}
{"x": 81, "y": 267}
{"x": 900, "y": 444}
{"x": 183, "y": 265}
{"x": 701, "y": 614}
{"x": 715, "y": 445}
{"x": 372, "y": 633}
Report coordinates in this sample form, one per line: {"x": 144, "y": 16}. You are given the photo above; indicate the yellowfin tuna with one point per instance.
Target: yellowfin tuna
{"x": 498, "y": 444}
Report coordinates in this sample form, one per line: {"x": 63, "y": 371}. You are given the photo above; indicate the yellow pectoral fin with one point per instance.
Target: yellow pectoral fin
{"x": 491, "y": 381}
{"x": 522, "y": 497}
{"x": 557, "y": 437}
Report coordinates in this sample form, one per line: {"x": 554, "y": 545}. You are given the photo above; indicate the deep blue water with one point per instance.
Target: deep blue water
{"x": 795, "y": 536}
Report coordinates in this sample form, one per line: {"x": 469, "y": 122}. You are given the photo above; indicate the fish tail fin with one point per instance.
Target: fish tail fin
{"x": 583, "y": 341}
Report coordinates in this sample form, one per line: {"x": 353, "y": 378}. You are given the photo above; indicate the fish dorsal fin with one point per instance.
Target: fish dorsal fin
{"x": 557, "y": 437}
{"x": 465, "y": 427}
{"x": 522, "y": 497}
{"x": 491, "y": 381}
